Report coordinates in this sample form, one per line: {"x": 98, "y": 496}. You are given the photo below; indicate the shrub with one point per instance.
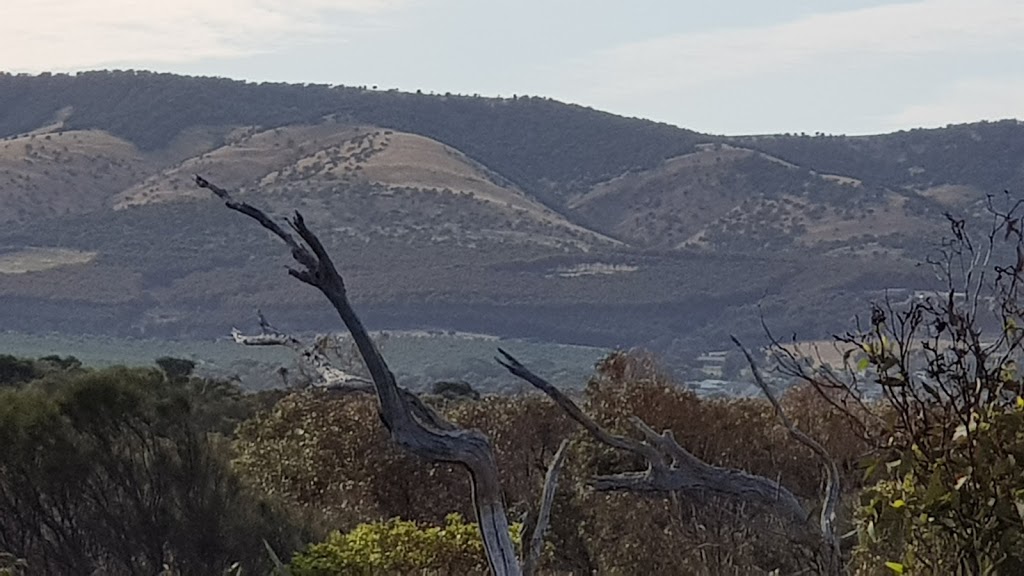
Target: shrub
{"x": 109, "y": 472}
{"x": 399, "y": 547}
{"x": 958, "y": 514}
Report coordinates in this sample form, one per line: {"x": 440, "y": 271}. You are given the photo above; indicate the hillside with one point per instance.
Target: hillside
{"x": 521, "y": 217}
{"x": 56, "y": 172}
{"x": 724, "y": 198}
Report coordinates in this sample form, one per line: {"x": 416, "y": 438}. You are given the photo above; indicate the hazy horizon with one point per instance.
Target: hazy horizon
{"x": 382, "y": 89}
{"x": 737, "y": 67}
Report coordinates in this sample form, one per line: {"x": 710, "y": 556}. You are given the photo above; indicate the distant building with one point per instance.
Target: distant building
{"x": 712, "y": 364}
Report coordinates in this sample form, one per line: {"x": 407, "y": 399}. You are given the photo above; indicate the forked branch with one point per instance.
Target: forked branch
{"x": 532, "y": 550}
{"x": 467, "y": 447}
{"x": 330, "y": 377}
{"x": 827, "y": 521}
{"x": 670, "y": 467}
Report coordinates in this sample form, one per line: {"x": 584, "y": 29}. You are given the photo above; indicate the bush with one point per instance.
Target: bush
{"x": 110, "y": 472}
{"x": 399, "y": 547}
{"x": 934, "y": 389}
{"x": 960, "y": 514}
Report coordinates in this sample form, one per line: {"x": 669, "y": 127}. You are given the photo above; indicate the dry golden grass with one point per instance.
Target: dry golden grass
{"x": 951, "y": 194}
{"x": 250, "y": 156}
{"x": 669, "y": 169}
{"x": 824, "y": 352}
{"x": 37, "y": 259}
{"x": 64, "y": 172}
{"x": 331, "y": 153}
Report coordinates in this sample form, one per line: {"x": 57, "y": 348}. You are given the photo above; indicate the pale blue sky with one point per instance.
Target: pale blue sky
{"x": 733, "y": 66}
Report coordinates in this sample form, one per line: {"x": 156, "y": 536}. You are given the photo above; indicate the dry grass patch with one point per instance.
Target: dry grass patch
{"x": 38, "y": 259}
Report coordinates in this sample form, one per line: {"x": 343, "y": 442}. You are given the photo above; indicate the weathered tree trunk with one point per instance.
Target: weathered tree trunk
{"x": 469, "y": 448}
{"x": 412, "y": 424}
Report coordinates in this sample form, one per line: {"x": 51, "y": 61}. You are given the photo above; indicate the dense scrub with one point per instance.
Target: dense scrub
{"x": 125, "y": 471}
{"x": 328, "y": 454}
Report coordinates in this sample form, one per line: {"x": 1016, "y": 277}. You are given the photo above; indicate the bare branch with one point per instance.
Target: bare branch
{"x": 531, "y": 554}
{"x": 331, "y": 378}
{"x": 328, "y": 375}
{"x": 832, "y": 482}
{"x": 670, "y": 467}
{"x": 467, "y": 447}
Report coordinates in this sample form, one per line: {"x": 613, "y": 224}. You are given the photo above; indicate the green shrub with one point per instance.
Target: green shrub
{"x": 399, "y": 547}
{"x": 962, "y": 513}
{"x": 112, "y": 471}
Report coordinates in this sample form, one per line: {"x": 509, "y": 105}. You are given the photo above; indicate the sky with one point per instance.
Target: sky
{"x": 725, "y": 67}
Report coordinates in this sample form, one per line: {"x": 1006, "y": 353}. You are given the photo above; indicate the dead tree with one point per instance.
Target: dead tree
{"x": 671, "y": 469}
{"x": 428, "y": 436}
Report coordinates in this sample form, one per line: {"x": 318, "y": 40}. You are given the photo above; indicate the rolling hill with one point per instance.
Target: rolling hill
{"x": 521, "y": 217}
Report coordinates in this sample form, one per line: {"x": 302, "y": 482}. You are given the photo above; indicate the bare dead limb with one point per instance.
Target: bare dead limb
{"x": 313, "y": 354}
{"x": 532, "y": 552}
{"x": 331, "y": 378}
{"x": 832, "y": 480}
{"x": 467, "y": 447}
{"x": 670, "y": 467}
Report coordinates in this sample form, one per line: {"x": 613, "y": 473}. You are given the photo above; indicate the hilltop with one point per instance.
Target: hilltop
{"x": 520, "y": 216}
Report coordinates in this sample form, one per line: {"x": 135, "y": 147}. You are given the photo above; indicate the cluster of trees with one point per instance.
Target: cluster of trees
{"x": 976, "y": 154}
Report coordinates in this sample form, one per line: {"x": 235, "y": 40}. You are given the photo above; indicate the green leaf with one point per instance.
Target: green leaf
{"x": 863, "y": 364}
{"x": 895, "y": 567}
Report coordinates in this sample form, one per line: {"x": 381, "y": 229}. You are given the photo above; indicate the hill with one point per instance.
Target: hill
{"x": 522, "y": 217}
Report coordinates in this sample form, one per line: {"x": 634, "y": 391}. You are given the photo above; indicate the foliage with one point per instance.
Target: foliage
{"x": 112, "y": 471}
{"x": 327, "y": 453}
{"x": 965, "y": 516}
{"x": 176, "y": 368}
{"x": 971, "y": 154}
{"x": 399, "y": 547}
{"x": 15, "y": 370}
{"x": 932, "y": 387}
{"x": 454, "y": 389}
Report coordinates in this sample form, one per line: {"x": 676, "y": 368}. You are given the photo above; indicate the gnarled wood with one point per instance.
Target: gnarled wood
{"x": 467, "y": 447}
{"x": 670, "y": 467}
{"x": 330, "y": 377}
{"x": 533, "y": 549}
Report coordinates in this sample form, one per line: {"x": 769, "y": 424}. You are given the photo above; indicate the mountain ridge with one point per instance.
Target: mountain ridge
{"x": 459, "y": 212}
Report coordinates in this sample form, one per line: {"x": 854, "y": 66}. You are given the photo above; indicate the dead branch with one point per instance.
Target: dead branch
{"x": 670, "y": 467}
{"x": 531, "y": 553}
{"x": 313, "y": 354}
{"x": 331, "y": 378}
{"x": 467, "y": 447}
{"x": 827, "y": 523}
